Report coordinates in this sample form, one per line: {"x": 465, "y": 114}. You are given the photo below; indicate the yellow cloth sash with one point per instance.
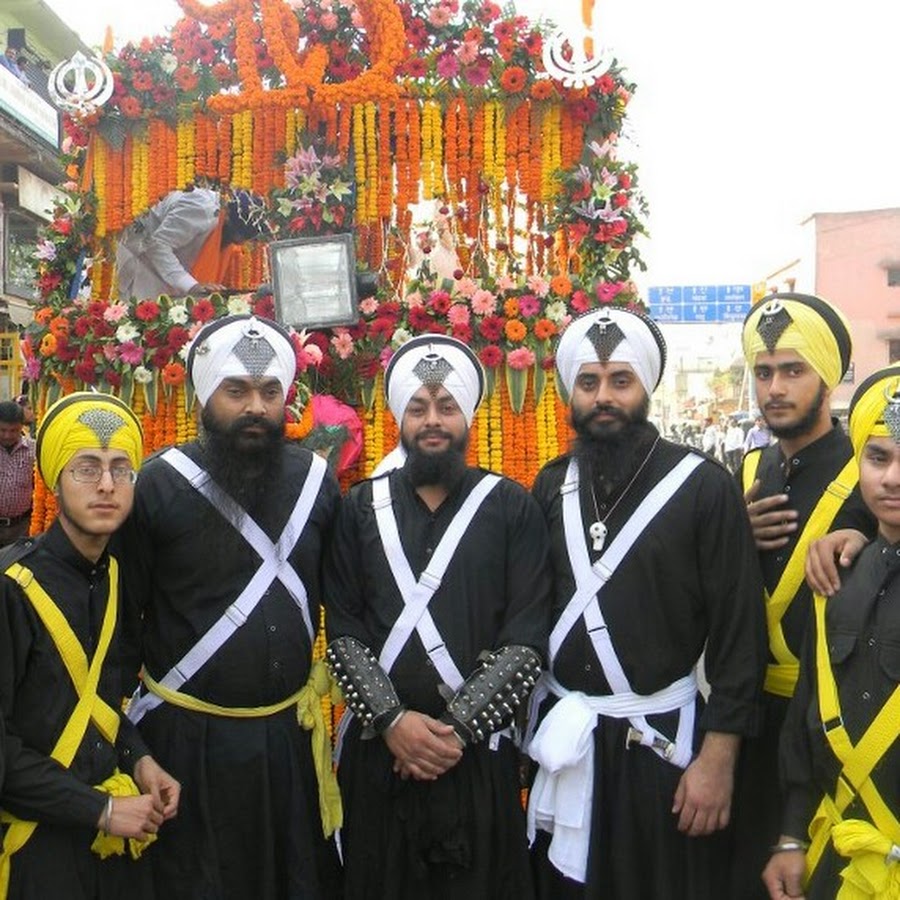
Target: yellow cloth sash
{"x": 119, "y": 785}
{"x": 867, "y": 876}
{"x": 857, "y": 763}
{"x": 90, "y": 707}
{"x": 309, "y": 716}
{"x": 781, "y": 676}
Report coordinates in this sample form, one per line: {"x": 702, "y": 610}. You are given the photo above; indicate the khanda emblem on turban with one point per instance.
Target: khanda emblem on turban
{"x": 892, "y": 412}
{"x": 254, "y": 351}
{"x": 103, "y": 422}
{"x": 772, "y": 324}
{"x": 605, "y": 335}
{"x": 432, "y": 370}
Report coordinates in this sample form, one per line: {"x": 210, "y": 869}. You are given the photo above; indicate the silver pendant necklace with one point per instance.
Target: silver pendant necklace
{"x": 597, "y": 530}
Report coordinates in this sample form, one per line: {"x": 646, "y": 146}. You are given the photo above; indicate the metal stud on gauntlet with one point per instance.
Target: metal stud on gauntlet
{"x": 488, "y": 698}
{"x": 366, "y": 687}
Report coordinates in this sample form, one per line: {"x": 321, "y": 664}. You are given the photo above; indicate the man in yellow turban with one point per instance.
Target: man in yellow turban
{"x": 78, "y": 777}
{"x": 798, "y": 348}
{"x": 840, "y": 760}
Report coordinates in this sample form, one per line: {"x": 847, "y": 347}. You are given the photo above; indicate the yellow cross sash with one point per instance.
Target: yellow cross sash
{"x": 781, "y": 676}
{"x": 857, "y": 762}
{"x": 85, "y": 678}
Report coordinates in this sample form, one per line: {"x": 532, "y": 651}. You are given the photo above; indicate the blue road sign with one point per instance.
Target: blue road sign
{"x": 696, "y": 303}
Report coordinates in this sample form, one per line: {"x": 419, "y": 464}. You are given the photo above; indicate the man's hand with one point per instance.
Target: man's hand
{"x": 203, "y": 289}
{"x": 824, "y": 555}
{"x": 784, "y": 873}
{"x": 152, "y": 779}
{"x": 703, "y": 796}
{"x": 423, "y": 748}
{"x": 771, "y": 521}
{"x": 133, "y": 817}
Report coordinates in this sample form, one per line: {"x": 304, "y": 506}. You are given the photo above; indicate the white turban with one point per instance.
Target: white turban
{"x": 620, "y": 336}
{"x": 238, "y": 346}
{"x": 431, "y": 359}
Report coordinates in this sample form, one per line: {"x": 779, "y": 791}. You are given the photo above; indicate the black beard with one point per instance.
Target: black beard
{"x": 445, "y": 468}
{"x": 246, "y": 467}
{"x": 806, "y": 423}
{"x": 611, "y": 457}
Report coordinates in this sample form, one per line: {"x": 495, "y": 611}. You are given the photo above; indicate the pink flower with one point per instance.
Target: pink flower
{"x": 343, "y": 345}
{"x": 484, "y": 303}
{"x": 539, "y": 285}
{"x": 505, "y": 283}
{"x": 447, "y": 66}
{"x": 522, "y": 358}
{"x": 466, "y": 287}
{"x": 468, "y": 52}
{"x": 329, "y": 21}
{"x": 131, "y": 353}
{"x": 439, "y": 16}
{"x": 413, "y": 298}
{"x": 385, "y": 356}
{"x": 529, "y": 305}
{"x": 115, "y": 312}
{"x": 368, "y": 306}
{"x": 458, "y": 314}
{"x": 580, "y": 302}
{"x": 607, "y": 291}
{"x": 479, "y": 72}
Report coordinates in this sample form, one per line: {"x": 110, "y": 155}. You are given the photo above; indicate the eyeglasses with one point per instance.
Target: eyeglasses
{"x": 90, "y": 473}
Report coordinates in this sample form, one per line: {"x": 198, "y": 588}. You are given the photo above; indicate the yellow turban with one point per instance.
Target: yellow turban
{"x": 868, "y": 407}
{"x": 86, "y": 421}
{"x": 812, "y": 327}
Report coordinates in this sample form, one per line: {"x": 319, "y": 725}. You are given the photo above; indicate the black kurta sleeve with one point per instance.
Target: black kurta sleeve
{"x": 36, "y": 787}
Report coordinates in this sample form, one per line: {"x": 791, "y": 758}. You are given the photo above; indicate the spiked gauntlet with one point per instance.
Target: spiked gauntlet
{"x": 489, "y": 697}
{"x": 367, "y": 690}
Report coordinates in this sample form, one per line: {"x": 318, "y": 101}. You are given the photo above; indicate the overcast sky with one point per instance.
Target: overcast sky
{"x": 748, "y": 117}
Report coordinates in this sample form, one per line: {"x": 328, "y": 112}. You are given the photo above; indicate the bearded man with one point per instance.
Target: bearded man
{"x": 798, "y": 347}
{"x": 223, "y": 574}
{"x": 437, "y": 596}
{"x": 654, "y": 564}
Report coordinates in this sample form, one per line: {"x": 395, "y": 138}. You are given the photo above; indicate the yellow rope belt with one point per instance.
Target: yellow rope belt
{"x": 309, "y": 715}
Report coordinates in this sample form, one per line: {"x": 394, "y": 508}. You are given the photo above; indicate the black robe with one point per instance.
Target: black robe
{"x": 462, "y": 835}
{"x": 38, "y": 697}
{"x": 689, "y": 586}
{"x": 758, "y": 800}
{"x": 248, "y": 823}
{"x": 862, "y": 621}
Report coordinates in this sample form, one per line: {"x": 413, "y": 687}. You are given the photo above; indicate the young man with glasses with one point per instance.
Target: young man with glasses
{"x": 78, "y": 777}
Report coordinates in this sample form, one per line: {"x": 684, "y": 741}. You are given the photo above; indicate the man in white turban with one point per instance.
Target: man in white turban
{"x": 437, "y": 594}
{"x": 653, "y": 561}
{"x": 223, "y": 558}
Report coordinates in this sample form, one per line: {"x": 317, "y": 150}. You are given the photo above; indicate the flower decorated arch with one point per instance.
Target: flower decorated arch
{"x": 489, "y": 200}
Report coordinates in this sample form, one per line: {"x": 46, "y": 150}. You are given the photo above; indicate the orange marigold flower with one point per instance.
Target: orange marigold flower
{"x": 173, "y": 374}
{"x": 513, "y": 79}
{"x": 542, "y": 90}
{"x": 48, "y": 345}
{"x": 561, "y": 285}
{"x": 43, "y": 315}
{"x": 511, "y": 307}
{"x": 59, "y": 326}
{"x": 515, "y": 330}
{"x": 544, "y": 329}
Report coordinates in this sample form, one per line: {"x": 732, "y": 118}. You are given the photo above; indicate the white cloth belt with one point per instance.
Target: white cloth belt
{"x": 561, "y": 799}
{"x": 590, "y": 581}
{"x": 417, "y": 594}
{"x": 274, "y": 565}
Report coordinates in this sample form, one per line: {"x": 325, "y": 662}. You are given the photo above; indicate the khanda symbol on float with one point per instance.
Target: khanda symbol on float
{"x": 303, "y": 68}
